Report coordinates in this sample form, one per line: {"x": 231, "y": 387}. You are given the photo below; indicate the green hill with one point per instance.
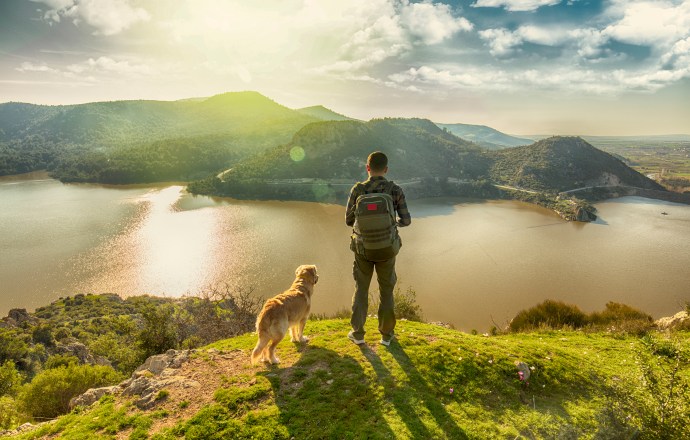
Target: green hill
{"x": 432, "y": 382}
{"x": 106, "y": 141}
{"x": 485, "y": 136}
{"x": 563, "y": 163}
{"x": 335, "y": 152}
{"x": 323, "y": 113}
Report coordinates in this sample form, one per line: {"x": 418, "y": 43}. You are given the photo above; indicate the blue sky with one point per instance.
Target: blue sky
{"x": 521, "y": 66}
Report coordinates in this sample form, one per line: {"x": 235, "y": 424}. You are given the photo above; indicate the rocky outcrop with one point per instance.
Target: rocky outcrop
{"x": 147, "y": 383}
{"x": 81, "y": 352}
{"x": 91, "y": 396}
{"x": 16, "y": 318}
{"x": 19, "y": 430}
{"x": 673, "y": 322}
{"x": 584, "y": 215}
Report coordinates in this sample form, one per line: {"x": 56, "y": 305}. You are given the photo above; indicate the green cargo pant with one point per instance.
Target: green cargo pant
{"x": 362, "y": 271}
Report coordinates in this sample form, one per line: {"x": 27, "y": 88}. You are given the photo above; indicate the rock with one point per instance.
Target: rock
{"x": 671, "y": 322}
{"x": 91, "y": 396}
{"x": 156, "y": 373}
{"x": 17, "y": 317}
{"x": 21, "y": 316}
{"x": 78, "y": 350}
{"x": 157, "y": 363}
{"x": 583, "y": 215}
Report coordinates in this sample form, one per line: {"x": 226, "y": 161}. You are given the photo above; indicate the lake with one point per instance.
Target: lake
{"x": 471, "y": 263}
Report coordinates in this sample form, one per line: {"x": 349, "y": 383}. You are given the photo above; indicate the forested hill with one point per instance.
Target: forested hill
{"x": 334, "y": 153}
{"x": 485, "y": 136}
{"x": 563, "y": 163}
{"x": 323, "y": 113}
{"x": 115, "y": 123}
{"x": 142, "y": 141}
{"x": 338, "y": 150}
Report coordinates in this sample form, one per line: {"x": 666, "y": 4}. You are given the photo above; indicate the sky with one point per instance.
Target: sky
{"x": 580, "y": 67}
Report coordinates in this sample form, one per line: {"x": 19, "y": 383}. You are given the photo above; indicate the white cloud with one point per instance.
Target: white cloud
{"x": 31, "y": 67}
{"x": 432, "y": 23}
{"x": 109, "y": 65}
{"x": 547, "y": 36}
{"x": 648, "y": 22}
{"x": 379, "y": 30}
{"x": 109, "y": 17}
{"x": 502, "y": 42}
{"x": 560, "y": 79}
{"x": 515, "y": 5}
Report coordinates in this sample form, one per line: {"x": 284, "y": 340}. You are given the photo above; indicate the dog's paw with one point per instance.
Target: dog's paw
{"x": 304, "y": 339}
{"x": 275, "y": 361}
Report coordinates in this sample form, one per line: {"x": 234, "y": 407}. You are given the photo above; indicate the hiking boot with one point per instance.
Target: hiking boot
{"x": 351, "y": 336}
{"x": 386, "y": 342}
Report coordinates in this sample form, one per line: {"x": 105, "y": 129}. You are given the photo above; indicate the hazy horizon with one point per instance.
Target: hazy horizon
{"x": 524, "y": 67}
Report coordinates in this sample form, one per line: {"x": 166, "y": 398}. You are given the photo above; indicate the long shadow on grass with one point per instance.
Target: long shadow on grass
{"x": 401, "y": 400}
{"x": 327, "y": 395}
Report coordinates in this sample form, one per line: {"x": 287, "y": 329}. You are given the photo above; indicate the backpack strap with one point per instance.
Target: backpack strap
{"x": 386, "y": 189}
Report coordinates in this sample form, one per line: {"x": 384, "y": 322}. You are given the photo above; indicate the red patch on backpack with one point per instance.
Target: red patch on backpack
{"x": 372, "y": 207}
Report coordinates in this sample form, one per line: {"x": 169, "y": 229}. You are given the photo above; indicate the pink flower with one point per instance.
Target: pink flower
{"x": 451, "y": 391}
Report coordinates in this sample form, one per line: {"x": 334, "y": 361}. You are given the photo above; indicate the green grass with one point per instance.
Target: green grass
{"x": 433, "y": 382}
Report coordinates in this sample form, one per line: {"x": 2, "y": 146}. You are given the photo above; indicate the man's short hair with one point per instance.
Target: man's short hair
{"x": 377, "y": 161}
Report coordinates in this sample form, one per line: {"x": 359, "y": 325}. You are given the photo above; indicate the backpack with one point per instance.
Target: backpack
{"x": 375, "y": 230}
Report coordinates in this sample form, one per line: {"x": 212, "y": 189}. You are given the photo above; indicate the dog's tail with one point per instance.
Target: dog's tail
{"x": 260, "y": 345}
{"x": 263, "y": 327}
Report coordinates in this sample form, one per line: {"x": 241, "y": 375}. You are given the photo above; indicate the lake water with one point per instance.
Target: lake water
{"x": 471, "y": 263}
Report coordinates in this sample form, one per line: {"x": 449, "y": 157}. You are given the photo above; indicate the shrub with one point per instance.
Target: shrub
{"x": 60, "y": 360}
{"x": 159, "y": 333}
{"x": 616, "y": 312}
{"x": 49, "y": 393}
{"x": 120, "y": 350}
{"x": 621, "y": 318}
{"x": 10, "y": 379}
{"x": 42, "y": 334}
{"x": 10, "y": 417}
{"x": 551, "y": 314}
{"x": 405, "y": 305}
{"x": 655, "y": 405}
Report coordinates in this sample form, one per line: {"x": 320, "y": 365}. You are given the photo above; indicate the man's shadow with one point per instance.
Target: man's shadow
{"x": 408, "y": 407}
{"x": 327, "y": 395}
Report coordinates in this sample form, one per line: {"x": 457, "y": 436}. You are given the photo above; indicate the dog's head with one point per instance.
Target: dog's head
{"x": 307, "y": 272}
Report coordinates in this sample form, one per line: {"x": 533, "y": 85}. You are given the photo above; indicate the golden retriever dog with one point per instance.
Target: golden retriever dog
{"x": 290, "y": 310}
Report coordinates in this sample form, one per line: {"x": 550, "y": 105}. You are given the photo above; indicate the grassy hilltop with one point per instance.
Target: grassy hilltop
{"x": 432, "y": 382}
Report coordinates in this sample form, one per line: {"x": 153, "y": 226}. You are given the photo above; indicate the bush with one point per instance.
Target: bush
{"x": 48, "y": 395}
{"x": 42, "y": 334}
{"x": 616, "y": 313}
{"x": 10, "y": 379}
{"x": 405, "y": 305}
{"x": 622, "y": 319}
{"x": 10, "y": 417}
{"x": 159, "y": 333}
{"x": 551, "y": 314}
{"x": 655, "y": 405}
{"x": 60, "y": 360}
{"x": 120, "y": 350}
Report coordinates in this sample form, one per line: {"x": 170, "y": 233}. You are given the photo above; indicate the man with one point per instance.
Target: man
{"x": 375, "y": 247}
